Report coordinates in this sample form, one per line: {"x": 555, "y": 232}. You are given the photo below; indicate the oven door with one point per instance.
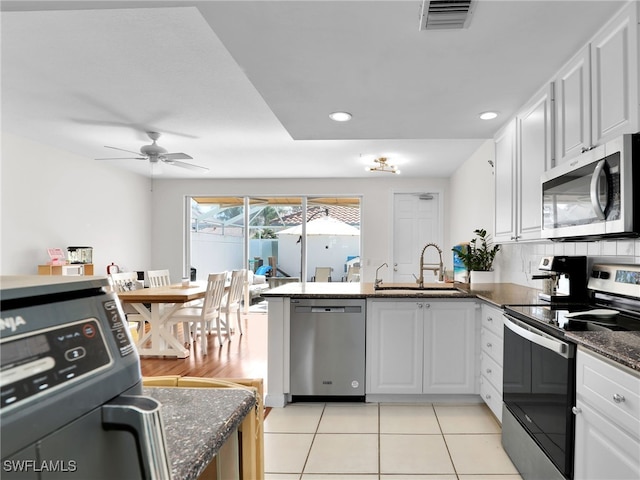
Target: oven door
{"x": 539, "y": 389}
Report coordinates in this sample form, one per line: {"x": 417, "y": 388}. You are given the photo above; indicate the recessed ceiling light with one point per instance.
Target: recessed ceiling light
{"x": 340, "y": 116}
{"x": 488, "y": 115}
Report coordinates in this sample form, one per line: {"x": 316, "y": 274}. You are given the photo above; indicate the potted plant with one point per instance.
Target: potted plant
{"x": 478, "y": 257}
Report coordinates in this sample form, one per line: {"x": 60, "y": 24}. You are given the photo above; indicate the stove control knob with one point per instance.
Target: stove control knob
{"x": 576, "y": 410}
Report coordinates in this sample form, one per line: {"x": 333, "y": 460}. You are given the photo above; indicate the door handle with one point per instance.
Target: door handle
{"x": 539, "y": 338}
{"x": 595, "y": 184}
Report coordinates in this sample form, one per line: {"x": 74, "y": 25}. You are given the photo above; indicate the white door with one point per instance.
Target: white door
{"x": 416, "y": 222}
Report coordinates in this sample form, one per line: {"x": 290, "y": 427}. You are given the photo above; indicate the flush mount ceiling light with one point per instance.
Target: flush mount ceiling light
{"x": 382, "y": 166}
{"x": 488, "y": 115}
{"x": 340, "y": 116}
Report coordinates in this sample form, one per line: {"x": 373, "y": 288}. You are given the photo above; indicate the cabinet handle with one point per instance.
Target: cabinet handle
{"x": 488, "y": 396}
{"x": 420, "y": 305}
{"x": 489, "y": 344}
{"x": 618, "y": 398}
{"x": 489, "y": 319}
{"x": 427, "y": 305}
{"x": 576, "y": 410}
{"x": 488, "y": 370}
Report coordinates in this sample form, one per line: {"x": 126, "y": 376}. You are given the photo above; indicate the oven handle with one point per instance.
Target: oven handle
{"x": 539, "y": 338}
{"x": 595, "y": 183}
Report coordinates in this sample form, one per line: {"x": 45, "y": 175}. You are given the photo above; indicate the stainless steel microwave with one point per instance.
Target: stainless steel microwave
{"x": 593, "y": 195}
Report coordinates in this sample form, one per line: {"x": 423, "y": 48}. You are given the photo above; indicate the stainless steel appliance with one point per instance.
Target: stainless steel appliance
{"x": 327, "y": 349}
{"x": 593, "y": 196}
{"x": 539, "y": 368}
{"x": 70, "y": 389}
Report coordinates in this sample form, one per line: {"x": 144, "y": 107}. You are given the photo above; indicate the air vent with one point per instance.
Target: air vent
{"x": 446, "y": 14}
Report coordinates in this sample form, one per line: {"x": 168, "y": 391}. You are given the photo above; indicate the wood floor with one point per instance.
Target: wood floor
{"x": 245, "y": 356}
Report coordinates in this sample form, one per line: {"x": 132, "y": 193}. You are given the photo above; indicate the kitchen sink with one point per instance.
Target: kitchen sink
{"x": 431, "y": 287}
{"x": 420, "y": 291}
{"x": 434, "y": 289}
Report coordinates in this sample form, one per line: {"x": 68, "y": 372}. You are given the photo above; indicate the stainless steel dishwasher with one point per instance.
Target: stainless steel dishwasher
{"x": 327, "y": 349}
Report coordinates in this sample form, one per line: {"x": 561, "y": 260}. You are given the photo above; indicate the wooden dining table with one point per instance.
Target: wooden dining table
{"x": 164, "y": 302}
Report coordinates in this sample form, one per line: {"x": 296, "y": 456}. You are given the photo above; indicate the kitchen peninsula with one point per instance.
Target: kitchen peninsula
{"x": 476, "y": 310}
{"x": 402, "y": 324}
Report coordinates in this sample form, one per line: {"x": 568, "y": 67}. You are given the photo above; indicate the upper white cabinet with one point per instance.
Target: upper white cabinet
{"x": 504, "y": 229}
{"x": 597, "y": 91}
{"x": 524, "y": 150}
{"x": 534, "y": 155}
{"x": 416, "y": 347}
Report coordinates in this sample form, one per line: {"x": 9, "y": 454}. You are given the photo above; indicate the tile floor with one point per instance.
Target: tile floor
{"x": 384, "y": 442}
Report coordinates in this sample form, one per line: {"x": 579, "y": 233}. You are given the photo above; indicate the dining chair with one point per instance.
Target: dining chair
{"x": 125, "y": 282}
{"x": 233, "y": 300}
{"x": 203, "y": 316}
{"x": 158, "y": 278}
{"x": 323, "y": 274}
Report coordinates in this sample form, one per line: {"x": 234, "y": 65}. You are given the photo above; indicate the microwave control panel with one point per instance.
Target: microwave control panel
{"x": 36, "y": 364}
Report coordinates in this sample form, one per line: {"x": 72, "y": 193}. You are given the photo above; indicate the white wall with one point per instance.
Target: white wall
{"x": 377, "y": 202}
{"x": 53, "y": 198}
{"x": 472, "y": 195}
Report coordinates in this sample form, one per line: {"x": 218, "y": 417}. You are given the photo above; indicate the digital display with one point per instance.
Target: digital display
{"x": 24, "y": 349}
{"x": 627, "y": 276}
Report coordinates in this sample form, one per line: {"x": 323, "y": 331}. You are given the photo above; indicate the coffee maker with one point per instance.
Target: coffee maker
{"x": 565, "y": 280}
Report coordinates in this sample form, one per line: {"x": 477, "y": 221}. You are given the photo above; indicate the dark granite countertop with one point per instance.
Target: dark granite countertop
{"x": 197, "y": 422}
{"x": 498, "y": 294}
{"x": 621, "y": 347}
{"x": 501, "y": 294}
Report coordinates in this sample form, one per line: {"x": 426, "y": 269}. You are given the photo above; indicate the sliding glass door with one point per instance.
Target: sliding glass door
{"x": 277, "y": 236}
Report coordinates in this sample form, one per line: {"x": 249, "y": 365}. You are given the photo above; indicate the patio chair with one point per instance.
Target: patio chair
{"x": 323, "y": 274}
{"x": 353, "y": 273}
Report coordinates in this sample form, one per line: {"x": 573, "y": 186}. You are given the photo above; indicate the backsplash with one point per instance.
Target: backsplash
{"x": 516, "y": 262}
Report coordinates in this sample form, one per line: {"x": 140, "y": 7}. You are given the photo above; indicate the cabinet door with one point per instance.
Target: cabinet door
{"x": 602, "y": 450}
{"x": 394, "y": 347}
{"x": 450, "y": 363}
{"x": 614, "y": 73}
{"x": 505, "y": 175}
{"x": 573, "y": 107}
{"x": 534, "y": 157}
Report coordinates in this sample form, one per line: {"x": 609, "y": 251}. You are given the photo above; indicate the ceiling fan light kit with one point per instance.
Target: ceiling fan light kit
{"x": 155, "y": 154}
{"x": 382, "y": 166}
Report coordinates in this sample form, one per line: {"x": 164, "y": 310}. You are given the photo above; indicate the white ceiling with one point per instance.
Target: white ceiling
{"x": 245, "y": 87}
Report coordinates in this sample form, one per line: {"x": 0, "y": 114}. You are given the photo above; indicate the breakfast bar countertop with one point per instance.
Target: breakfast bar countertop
{"x": 498, "y": 294}
{"x": 197, "y": 422}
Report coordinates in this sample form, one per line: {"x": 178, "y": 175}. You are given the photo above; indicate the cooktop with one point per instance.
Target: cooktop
{"x": 579, "y": 317}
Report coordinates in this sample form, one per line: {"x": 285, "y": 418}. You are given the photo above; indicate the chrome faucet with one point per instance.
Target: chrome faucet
{"x": 431, "y": 266}
{"x": 378, "y": 281}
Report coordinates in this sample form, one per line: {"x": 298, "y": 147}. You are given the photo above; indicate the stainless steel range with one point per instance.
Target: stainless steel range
{"x": 539, "y": 368}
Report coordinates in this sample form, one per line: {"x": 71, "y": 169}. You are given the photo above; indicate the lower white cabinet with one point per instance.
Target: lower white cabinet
{"x": 421, "y": 347}
{"x": 491, "y": 348}
{"x": 607, "y": 420}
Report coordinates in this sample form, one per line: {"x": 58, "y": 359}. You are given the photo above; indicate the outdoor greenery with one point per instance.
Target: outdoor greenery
{"x": 480, "y": 254}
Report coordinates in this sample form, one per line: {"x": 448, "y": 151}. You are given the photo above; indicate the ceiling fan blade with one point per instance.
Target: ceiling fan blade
{"x": 122, "y": 158}
{"x": 189, "y": 166}
{"x": 177, "y": 156}
{"x": 123, "y": 150}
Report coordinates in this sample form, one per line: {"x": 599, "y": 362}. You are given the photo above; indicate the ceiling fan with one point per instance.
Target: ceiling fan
{"x": 155, "y": 153}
